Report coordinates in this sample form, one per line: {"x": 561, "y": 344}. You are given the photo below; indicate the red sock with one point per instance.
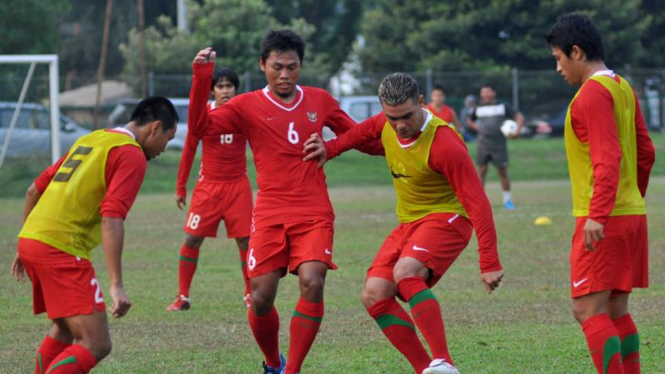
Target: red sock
{"x": 630, "y": 344}
{"x": 266, "y": 333}
{"x": 304, "y": 326}
{"x": 426, "y": 312}
{"x": 48, "y": 350}
{"x": 604, "y": 344}
{"x": 398, "y": 327}
{"x": 243, "y": 264}
{"x": 73, "y": 360}
{"x": 189, "y": 257}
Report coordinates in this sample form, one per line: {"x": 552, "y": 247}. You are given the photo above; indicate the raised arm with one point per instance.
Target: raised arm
{"x": 450, "y": 157}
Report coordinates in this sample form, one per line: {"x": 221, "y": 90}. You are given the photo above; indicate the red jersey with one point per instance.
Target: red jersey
{"x": 592, "y": 118}
{"x": 449, "y": 157}
{"x": 446, "y": 113}
{"x": 223, "y": 160}
{"x": 125, "y": 168}
{"x": 290, "y": 190}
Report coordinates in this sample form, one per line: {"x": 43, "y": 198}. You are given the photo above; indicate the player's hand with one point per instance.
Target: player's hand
{"x": 180, "y": 201}
{"x": 491, "y": 280}
{"x": 205, "y": 56}
{"x": 18, "y": 270}
{"x": 514, "y": 136}
{"x": 315, "y": 149}
{"x": 121, "y": 303}
{"x": 593, "y": 233}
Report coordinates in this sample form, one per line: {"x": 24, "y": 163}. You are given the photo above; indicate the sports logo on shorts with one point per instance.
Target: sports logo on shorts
{"x": 313, "y": 116}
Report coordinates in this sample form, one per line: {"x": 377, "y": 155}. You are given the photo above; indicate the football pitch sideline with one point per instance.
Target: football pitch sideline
{"x": 524, "y": 327}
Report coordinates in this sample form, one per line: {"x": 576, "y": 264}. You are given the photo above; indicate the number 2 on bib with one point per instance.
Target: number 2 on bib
{"x": 293, "y": 134}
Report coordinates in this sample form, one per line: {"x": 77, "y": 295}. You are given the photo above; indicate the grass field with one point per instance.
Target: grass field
{"x": 524, "y": 327}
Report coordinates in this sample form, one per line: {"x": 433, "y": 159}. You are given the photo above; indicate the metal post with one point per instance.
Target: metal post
{"x": 54, "y": 90}
{"x": 516, "y": 89}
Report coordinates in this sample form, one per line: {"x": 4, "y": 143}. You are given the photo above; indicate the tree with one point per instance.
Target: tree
{"x": 28, "y": 26}
{"x": 488, "y": 35}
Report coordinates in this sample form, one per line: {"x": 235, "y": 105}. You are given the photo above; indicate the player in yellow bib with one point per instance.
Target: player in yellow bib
{"x": 74, "y": 205}
{"x": 610, "y": 155}
{"x": 440, "y": 200}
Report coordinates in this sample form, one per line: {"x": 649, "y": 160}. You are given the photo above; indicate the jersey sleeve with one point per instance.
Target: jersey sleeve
{"x": 340, "y": 122}
{"x": 186, "y": 161}
{"x": 510, "y": 111}
{"x": 221, "y": 120}
{"x": 367, "y": 132}
{"x": 125, "y": 169}
{"x": 449, "y": 157}
{"x": 595, "y": 113}
{"x": 646, "y": 153}
{"x": 47, "y": 175}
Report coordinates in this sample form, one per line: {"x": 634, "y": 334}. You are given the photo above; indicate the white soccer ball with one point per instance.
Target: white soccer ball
{"x": 508, "y": 128}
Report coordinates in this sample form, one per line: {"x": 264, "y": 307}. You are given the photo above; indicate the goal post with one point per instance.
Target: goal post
{"x": 54, "y": 89}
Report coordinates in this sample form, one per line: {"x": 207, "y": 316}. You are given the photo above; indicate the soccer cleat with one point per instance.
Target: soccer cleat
{"x": 440, "y": 366}
{"x": 271, "y": 370}
{"x": 181, "y": 303}
{"x": 509, "y": 205}
{"x": 247, "y": 300}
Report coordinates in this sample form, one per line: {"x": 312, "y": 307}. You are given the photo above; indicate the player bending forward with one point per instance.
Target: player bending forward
{"x": 440, "y": 200}
{"x": 610, "y": 155}
{"x": 292, "y": 227}
{"x": 75, "y": 204}
{"x": 222, "y": 192}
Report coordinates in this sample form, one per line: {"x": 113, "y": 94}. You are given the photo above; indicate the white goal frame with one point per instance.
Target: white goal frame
{"x": 54, "y": 89}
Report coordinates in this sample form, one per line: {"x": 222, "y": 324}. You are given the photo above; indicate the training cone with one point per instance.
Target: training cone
{"x": 542, "y": 221}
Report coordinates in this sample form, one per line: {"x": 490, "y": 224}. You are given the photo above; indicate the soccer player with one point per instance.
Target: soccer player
{"x": 610, "y": 155}
{"x": 440, "y": 200}
{"x": 439, "y": 108}
{"x": 222, "y": 192}
{"x": 75, "y": 204}
{"x": 292, "y": 227}
{"x": 487, "y": 119}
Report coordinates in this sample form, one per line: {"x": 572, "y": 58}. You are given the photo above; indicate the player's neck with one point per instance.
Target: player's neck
{"x": 438, "y": 106}
{"x": 286, "y": 99}
{"x": 592, "y": 68}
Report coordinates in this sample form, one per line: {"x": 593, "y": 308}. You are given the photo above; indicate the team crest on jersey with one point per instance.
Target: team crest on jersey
{"x": 312, "y": 116}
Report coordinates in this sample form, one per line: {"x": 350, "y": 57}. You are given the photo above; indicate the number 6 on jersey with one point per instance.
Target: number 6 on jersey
{"x": 293, "y": 134}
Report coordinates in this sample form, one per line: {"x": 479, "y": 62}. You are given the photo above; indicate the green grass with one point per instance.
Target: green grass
{"x": 524, "y": 327}
{"x": 530, "y": 160}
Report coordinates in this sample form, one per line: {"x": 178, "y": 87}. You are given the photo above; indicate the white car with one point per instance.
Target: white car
{"x": 359, "y": 108}
{"x": 32, "y": 133}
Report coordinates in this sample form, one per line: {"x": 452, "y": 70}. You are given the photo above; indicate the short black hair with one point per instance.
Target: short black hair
{"x": 576, "y": 29}
{"x": 282, "y": 41}
{"x": 227, "y": 73}
{"x": 155, "y": 108}
{"x": 439, "y": 87}
{"x": 488, "y": 85}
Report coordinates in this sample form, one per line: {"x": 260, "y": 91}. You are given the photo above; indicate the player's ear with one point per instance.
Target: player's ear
{"x": 577, "y": 53}
{"x": 156, "y": 127}
{"x": 262, "y": 64}
{"x": 421, "y": 101}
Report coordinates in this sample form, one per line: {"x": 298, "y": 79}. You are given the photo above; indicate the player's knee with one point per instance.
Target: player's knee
{"x": 369, "y": 296}
{"x": 582, "y": 312}
{"x": 193, "y": 241}
{"x": 99, "y": 348}
{"x": 312, "y": 286}
{"x": 261, "y": 302}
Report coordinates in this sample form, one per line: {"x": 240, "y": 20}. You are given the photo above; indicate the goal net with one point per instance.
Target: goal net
{"x": 30, "y": 122}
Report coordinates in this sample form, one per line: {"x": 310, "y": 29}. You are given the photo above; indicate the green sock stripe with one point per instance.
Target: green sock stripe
{"x": 39, "y": 361}
{"x": 421, "y": 296}
{"x": 315, "y": 319}
{"x": 387, "y": 320}
{"x": 630, "y": 344}
{"x": 612, "y": 347}
{"x": 68, "y": 360}
{"x": 183, "y": 258}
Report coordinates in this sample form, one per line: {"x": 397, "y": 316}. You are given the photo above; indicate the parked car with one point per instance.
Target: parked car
{"x": 120, "y": 115}
{"x": 359, "y": 108}
{"x": 32, "y": 134}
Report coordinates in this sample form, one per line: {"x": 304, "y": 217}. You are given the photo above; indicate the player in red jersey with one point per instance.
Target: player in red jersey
{"x": 293, "y": 217}
{"x": 222, "y": 192}
{"x": 439, "y": 108}
{"x": 440, "y": 200}
{"x": 75, "y": 204}
{"x": 610, "y": 156}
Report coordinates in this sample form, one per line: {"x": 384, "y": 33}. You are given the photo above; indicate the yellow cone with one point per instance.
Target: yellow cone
{"x": 542, "y": 221}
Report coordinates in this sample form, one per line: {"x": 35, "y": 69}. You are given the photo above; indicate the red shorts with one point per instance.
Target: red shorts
{"x": 62, "y": 285}
{"x": 620, "y": 261}
{"x": 214, "y": 202}
{"x": 286, "y": 246}
{"x": 435, "y": 240}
